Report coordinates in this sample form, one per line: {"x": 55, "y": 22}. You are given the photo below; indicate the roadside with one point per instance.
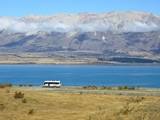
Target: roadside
{"x": 97, "y": 90}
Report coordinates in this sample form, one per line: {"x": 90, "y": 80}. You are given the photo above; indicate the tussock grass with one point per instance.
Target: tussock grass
{"x": 24, "y": 100}
{"x": 2, "y": 107}
{"x": 31, "y": 112}
{"x": 18, "y": 95}
{"x": 47, "y": 105}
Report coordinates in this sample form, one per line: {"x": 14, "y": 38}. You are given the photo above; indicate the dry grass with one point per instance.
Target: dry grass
{"x": 44, "y": 105}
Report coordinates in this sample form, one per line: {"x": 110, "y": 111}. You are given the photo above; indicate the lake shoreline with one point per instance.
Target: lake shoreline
{"x": 82, "y": 75}
{"x": 107, "y": 64}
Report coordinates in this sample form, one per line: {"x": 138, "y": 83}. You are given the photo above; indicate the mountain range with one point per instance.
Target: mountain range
{"x": 120, "y": 37}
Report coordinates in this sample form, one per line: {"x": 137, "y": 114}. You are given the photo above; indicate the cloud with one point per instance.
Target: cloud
{"x": 67, "y": 23}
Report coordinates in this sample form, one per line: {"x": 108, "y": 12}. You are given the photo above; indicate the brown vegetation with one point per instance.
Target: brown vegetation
{"x": 49, "y": 105}
{"x": 30, "y": 112}
{"x": 5, "y": 85}
{"x": 18, "y": 95}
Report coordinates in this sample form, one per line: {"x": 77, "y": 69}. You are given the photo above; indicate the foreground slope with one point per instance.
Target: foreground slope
{"x": 42, "y": 105}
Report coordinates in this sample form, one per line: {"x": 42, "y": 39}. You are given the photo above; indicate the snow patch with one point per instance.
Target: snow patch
{"x": 121, "y": 22}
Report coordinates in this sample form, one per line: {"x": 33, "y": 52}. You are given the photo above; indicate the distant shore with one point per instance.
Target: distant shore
{"x": 81, "y": 63}
{"x": 42, "y": 58}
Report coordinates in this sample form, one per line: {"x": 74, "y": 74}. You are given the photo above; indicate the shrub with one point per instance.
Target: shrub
{"x": 18, "y": 95}
{"x": 120, "y": 88}
{"x": 31, "y": 112}
{"x": 136, "y": 99}
{"x": 20, "y": 85}
{"x": 2, "y": 107}
{"x": 90, "y": 87}
{"x": 2, "y": 86}
{"x": 24, "y": 100}
{"x": 30, "y": 85}
{"x": 90, "y": 117}
{"x": 106, "y": 88}
{"x": 5, "y": 85}
{"x": 126, "y": 88}
{"x": 131, "y": 88}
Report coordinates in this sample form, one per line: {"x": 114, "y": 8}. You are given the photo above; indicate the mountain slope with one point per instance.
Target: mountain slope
{"x": 84, "y": 22}
{"x": 98, "y": 36}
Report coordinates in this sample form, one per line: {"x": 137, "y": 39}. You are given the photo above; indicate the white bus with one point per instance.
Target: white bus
{"x": 52, "y": 84}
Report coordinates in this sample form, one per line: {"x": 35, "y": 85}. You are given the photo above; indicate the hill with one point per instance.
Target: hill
{"x": 122, "y": 37}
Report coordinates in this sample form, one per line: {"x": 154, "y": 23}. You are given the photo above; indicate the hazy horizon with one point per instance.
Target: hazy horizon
{"x": 76, "y": 13}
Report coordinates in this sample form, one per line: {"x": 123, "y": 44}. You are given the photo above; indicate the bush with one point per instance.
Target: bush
{"x": 18, "y": 95}
{"x": 90, "y": 87}
{"x": 20, "y": 85}
{"x": 30, "y": 85}
{"x": 120, "y": 88}
{"x": 31, "y": 112}
{"x": 106, "y": 88}
{"x": 126, "y": 88}
{"x": 136, "y": 99}
{"x": 24, "y": 100}
{"x": 5, "y": 85}
{"x": 2, "y": 107}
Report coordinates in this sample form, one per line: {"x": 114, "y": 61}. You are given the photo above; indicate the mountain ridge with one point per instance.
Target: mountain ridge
{"x": 86, "y": 37}
{"x": 84, "y": 22}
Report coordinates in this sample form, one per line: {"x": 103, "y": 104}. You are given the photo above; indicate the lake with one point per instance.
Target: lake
{"x": 82, "y": 75}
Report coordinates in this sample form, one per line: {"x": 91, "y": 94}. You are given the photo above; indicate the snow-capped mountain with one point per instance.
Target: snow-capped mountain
{"x": 83, "y": 22}
{"x": 83, "y": 35}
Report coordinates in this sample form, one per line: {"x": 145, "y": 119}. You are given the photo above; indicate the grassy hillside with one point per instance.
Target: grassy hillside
{"x": 48, "y": 105}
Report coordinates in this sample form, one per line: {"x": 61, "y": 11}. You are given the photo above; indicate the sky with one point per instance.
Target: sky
{"x": 50, "y": 7}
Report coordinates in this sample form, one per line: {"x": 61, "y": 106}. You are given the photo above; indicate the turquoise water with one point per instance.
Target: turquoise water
{"x": 82, "y": 75}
